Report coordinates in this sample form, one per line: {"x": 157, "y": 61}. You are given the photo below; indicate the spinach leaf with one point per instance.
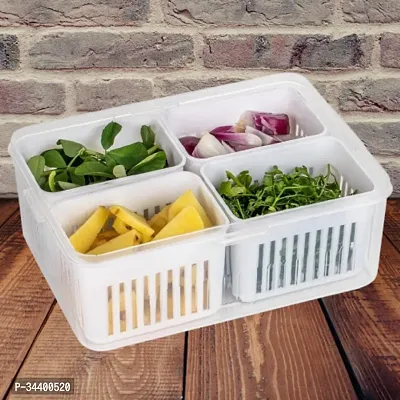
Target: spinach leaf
{"x": 36, "y": 164}
{"x": 62, "y": 176}
{"x": 109, "y": 134}
{"x": 153, "y": 162}
{"x": 129, "y": 155}
{"x": 70, "y": 147}
{"x": 54, "y": 159}
{"x": 94, "y": 168}
{"x": 67, "y": 185}
{"x": 76, "y": 179}
{"x": 148, "y": 136}
{"x": 110, "y": 161}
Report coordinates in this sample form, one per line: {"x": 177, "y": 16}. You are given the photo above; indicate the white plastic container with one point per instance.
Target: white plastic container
{"x": 302, "y": 247}
{"x": 234, "y": 264}
{"x": 193, "y": 118}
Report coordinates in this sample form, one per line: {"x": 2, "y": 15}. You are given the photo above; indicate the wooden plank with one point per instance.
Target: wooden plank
{"x": 367, "y": 322}
{"x": 283, "y": 354}
{"x": 392, "y": 222}
{"x": 152, "y": 370}
{"x": 25, "y": 299}
{"x": 7, "y": 208}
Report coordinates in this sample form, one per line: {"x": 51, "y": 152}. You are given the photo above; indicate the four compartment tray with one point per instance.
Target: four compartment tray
{"x": 238, "y": 267}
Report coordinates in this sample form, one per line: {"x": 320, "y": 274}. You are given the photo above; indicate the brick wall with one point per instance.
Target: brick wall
{"x": 59, "y": 58}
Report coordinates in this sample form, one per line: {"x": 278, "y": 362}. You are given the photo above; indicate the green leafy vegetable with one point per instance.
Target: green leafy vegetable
{"x": 67, "y": 185}
{"x": 129, "y": 155}
{"x": 54, "y": 159}
{"x": 109, "y": 134}
{"x": 148, "y": 136}
{"x": 72, "y": 165}
{"x": 52, "y": 183}
{"x": 277, "y": 191}
{"x": 119, "y": 171}
{"x": 94, "y": 168}
{"x": 70, "y": 148}
{"x": 36, "y": 164}
{"x": 153, "y": 162}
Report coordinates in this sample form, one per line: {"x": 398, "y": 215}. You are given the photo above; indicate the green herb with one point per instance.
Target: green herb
{"x": 72, "y": 165}
{"x": 277, "y": 191}
{"x": 109, "y": 134}
{"x": 148, "y": 136}
{"x": 36, "y": 165}
{"x": 153, "y": 162}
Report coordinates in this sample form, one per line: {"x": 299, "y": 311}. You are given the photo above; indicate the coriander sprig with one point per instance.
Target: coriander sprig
{"x": 277, "y": 191}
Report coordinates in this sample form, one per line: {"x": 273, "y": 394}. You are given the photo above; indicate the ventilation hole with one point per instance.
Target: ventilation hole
{"x": 182, "y": 290}
{"x": 122, "y": 308}
{"x": 328, "y": 252}
{"x": 156, "y": 209}
{"x": 293, "y": 268}
{"x": 305, "y": 257}
{"x": 352, "y": 248}
{"x": 206, "y": 287}
{"x": 282, "y": 264}
{"x": 316, "y": 256}
{"x": 272, "y": 271}
{"x": 158, "y": 298}
{"x": 260, "y": 267}
{"x": 134, "y": 306}
{"x": 339, "y": 255}
{"x": 146, "y": 213}
{"x": 170, "y": 297}
{"x": 110, "y": 311}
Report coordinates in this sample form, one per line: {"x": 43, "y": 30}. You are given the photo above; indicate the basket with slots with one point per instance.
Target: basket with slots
{"x": 235, "y": 268}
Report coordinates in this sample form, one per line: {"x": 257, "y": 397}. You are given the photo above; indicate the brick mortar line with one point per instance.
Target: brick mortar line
{"x": 341, "y": 29}
{"x": 191, "y": 73}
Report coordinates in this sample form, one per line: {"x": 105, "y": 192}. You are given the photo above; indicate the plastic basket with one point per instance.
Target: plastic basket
{"x": 195, "y": 117}
{"x": 307, "y": 246}
{"x": 235, "y": 269}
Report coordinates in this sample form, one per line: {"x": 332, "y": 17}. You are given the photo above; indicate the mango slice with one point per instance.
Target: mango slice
{"x": 119, "y": 226}
{"x": 186, "y": 200}
{"x": 158, "y": 221}
{"x": 128, "y": 239}
{"x": 85, "y": 236}
{"x": 132, "y": 219}
{"x": 188, "y": 220}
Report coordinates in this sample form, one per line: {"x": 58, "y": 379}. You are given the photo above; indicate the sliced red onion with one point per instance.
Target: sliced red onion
{"x": 228, "y": 148}
{"x": 272, "y": 124}
{"x": 208, "y": 147}
{"x": 189, "y": 143}
{"x": 223, "y": 129}
{"x": 245, "y": 139}
{"x": 265, "y": 139}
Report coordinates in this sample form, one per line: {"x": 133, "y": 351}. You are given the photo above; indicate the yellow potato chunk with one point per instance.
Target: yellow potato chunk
{"x": 186, "y": 200}
{"x": 158, "y": 221}
{"x": 132, "y": 219}
{"x": 128, "y": 239}
{"x": 97, "y": 243}
{"x": 120, "y": 226}
{"x": 107, "y": 235}
{"x": 188, "y": 220}
{"x": 85, "y": 236}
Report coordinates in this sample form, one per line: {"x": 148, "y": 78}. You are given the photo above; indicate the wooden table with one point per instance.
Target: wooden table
{"x": 343, "y": 347}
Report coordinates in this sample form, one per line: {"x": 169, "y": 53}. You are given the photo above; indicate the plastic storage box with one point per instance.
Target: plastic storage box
{"x": 235, "y": 269}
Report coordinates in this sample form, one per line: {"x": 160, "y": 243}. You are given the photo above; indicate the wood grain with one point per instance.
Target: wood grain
{"x": 148, "y": 371}
{"x": 392, "y": 222}
{"x": 25, "y": 298}
{"x": 7, "y": 208}
{"x": 283, "y": 354}
{"x": 367, "y": 322}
